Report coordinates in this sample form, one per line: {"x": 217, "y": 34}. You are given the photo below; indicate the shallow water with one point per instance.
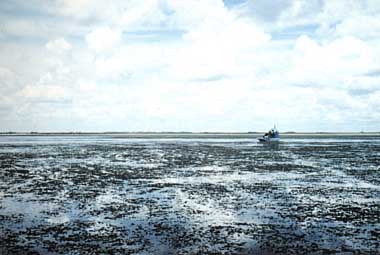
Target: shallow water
{"x": 99, "y": 194}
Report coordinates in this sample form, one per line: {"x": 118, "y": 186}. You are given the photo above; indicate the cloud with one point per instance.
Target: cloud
{"x": 7, "y": 80}
{"x": 45, "y": 92}
{"x": 214, "y": 48}
{"x": 372, "y": 73}
{"x": 353, "y": 26}
{"x": 19, "y": 28}
{"x": 190, "y": 65}
{"x": 324, "y": 19}
{"x": 58, "y": 45}
{"x": 81, "y": 9}
{"x": 331, "y": 63}
{"x": 103, "y": 38}
{"x": 267, "y": 11}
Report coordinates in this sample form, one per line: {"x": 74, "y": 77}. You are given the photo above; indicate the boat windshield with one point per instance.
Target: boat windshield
{"x": 273, "y": 133}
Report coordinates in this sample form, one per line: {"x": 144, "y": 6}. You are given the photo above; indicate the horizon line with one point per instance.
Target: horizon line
{"x": 181, "y": 132}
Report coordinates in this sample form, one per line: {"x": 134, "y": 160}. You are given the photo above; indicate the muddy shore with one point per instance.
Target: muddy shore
{"x": 117, "y": 195}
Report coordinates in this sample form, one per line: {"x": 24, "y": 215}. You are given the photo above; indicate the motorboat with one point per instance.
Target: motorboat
{"x": 271, "y": 136}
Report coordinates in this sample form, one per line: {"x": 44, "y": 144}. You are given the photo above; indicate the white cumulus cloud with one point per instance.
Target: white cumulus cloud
{"x": 190, "y": 65}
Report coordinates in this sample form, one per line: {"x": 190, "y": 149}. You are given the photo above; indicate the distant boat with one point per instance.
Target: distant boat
{"x": 271, "y": 136}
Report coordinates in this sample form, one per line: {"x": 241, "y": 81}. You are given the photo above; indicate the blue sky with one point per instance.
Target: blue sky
{"x": 169, "y": 65}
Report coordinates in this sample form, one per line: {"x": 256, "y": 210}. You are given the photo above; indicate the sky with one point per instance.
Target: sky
{"x": 189, "y": 65}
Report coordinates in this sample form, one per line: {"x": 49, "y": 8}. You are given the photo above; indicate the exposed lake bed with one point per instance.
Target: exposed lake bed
{"x": 116, "y": 195}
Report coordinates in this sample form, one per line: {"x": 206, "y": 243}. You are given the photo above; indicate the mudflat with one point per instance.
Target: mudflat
{"x": 189, "y": 194}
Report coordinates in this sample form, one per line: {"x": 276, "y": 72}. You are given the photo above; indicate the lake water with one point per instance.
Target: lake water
{"x": 108, "y": 195}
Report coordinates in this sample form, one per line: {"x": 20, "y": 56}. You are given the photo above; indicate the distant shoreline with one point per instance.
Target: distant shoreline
{"x": 195, "y": 134}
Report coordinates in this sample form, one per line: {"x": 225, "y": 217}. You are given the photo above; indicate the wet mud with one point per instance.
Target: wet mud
{"x": 189, "y": 196}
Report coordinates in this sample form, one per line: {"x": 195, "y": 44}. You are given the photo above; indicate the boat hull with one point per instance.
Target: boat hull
{"x": 265, "y": 140}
